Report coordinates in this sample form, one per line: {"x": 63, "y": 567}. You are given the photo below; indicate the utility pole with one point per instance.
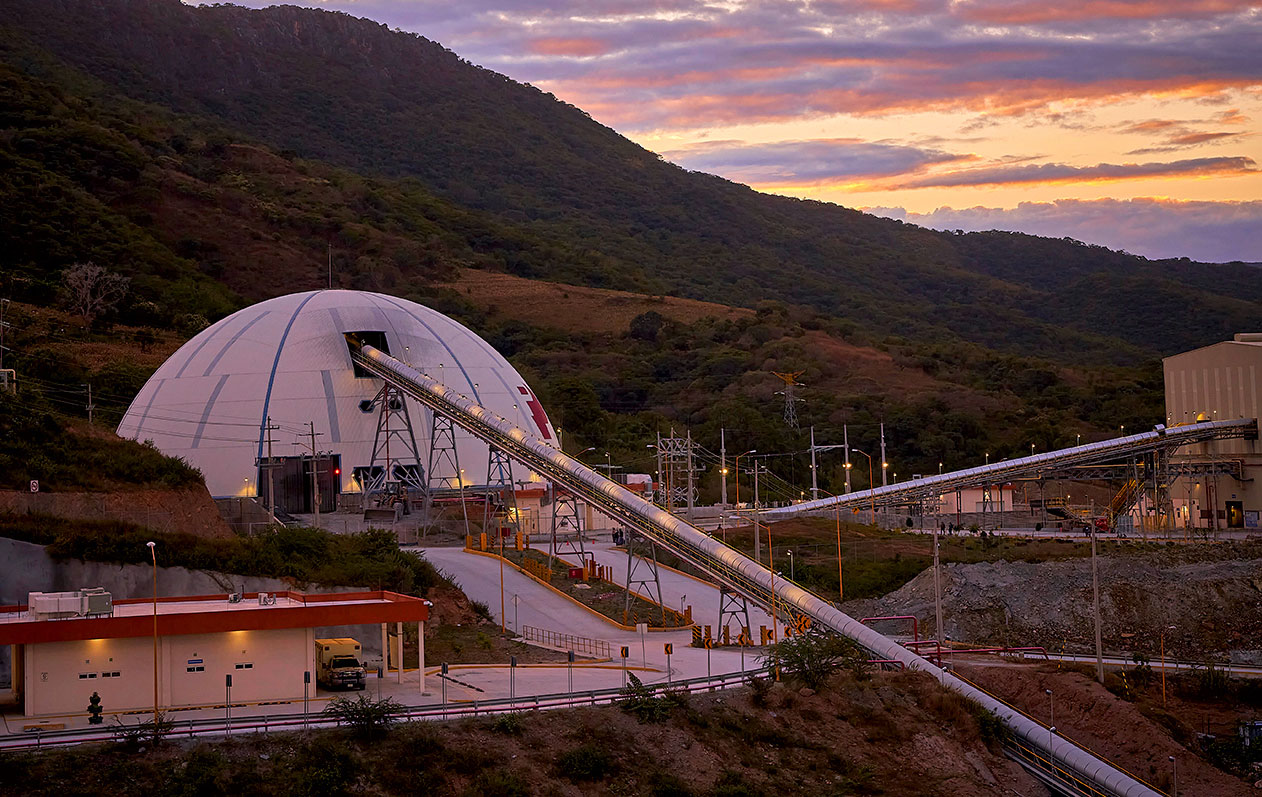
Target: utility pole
{"x": 1095, "y": 590}
{"x": 722, "y": 462}
{"x": 692, "y": 501}
{"x": 271, "y": 469}
{"x": 315, "y": 469}
{"x": 756, "y": 467}
{"x": 845, "y": 431}
{"x": 4, "y": 303}
{"x": 814, "y": 478}
{"x": 884, "y": 462}
{"x": 330, "y": 265}
{"x": 937, "y": 587}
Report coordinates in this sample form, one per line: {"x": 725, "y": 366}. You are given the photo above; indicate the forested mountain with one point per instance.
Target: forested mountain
{"x": 411, "y": 160}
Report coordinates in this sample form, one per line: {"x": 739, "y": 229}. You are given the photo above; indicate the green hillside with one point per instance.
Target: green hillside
{"x": 555, "y": 195}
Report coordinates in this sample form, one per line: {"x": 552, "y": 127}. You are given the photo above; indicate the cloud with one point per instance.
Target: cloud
{"x": 652, "y": 64}
{"x": 1065, "y": 173}
{"x": 1214, "y": 232}
{"x": 813, "y": 162}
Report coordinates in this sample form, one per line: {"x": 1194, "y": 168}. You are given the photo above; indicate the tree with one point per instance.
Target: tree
{"x": 92, "y": 290}
{"x": 811, "y": 658}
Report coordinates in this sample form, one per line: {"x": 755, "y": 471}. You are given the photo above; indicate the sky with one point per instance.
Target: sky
{"x": 1129, "y": 123}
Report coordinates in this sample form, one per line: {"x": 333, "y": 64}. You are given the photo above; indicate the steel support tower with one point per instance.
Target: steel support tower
{"x": 642, "y": 572}
{"x": 394, "y": 447}
{"x": 567, "y": 526}
{"x": 444, "y": 458}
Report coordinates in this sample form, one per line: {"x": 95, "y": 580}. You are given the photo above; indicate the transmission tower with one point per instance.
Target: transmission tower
{"x": 791, "y": 400}
{"x": 677, "y": 472}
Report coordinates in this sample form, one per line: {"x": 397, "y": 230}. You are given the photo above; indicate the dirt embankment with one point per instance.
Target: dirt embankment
{"x": 1215, "y": 606}
{"x": 1092, "y": 716}
{"x": 896, "y": 734}
{"x": 188, "y": 511}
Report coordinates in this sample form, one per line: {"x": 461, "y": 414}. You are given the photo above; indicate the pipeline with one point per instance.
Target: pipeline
{"x": 726, "y": 565}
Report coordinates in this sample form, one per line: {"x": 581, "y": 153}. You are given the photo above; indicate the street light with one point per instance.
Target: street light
{"x": 871, "y": 483}
{"x": 154, "y": 556}
{"x": 737, "y": 468}
{"x": 790, "y": 555}
{"x": 1174, "y": 765}
{"x": 939, "y": 468}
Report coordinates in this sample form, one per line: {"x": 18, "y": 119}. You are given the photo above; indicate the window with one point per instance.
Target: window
{"x": 84, "y": 676}
{"x": 196, "y": 668}
{"x": 113, "y": 674}
{"x": 247, "y": 666}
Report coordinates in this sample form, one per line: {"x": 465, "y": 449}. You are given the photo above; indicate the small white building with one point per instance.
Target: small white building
{"x": 266, "y": 644}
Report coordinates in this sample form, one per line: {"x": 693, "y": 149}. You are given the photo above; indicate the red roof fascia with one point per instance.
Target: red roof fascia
{"x": 318, "y": 610}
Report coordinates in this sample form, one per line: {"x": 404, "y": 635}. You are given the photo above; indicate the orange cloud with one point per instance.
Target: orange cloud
{"x": 1059, "y": 173}
{"x": 1032, "y": 13}
{"x": 578, "y": 48}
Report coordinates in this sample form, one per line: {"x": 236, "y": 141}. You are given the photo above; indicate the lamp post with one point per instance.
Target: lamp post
{"x": 791, "y": 571}
{"x": 1163, "y": 663}
{"x": 1174, "y": 766}
{"x": 154, "y": 556}
{"x": 871, "y": 483}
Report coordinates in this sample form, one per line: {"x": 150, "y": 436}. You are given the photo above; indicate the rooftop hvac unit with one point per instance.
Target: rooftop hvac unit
{"x": 60, "y": 605}
{"x": 266, "y": 599}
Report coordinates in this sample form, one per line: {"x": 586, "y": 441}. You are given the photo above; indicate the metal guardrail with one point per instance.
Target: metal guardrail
{"x": 750, "y": 579}
{"x": 443, "y": 711}
{"x": 596, "y": 648}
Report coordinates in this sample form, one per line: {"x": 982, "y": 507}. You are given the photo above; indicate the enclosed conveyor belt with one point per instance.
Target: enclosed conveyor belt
{"x": 733, "y": 569}
{"x": 1035, "y": 466}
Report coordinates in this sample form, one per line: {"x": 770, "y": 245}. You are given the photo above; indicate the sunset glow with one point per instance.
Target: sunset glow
{"x": 1144, "y": 112}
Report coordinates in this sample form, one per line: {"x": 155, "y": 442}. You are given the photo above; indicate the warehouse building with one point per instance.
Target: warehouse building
{"x": 68, "y": 645}
{"x": 1223, "y": 488}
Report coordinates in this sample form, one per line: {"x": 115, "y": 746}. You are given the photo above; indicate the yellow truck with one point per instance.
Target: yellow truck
{"x": 339, "y": 664}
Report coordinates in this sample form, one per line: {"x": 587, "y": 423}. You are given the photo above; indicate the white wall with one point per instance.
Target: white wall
{"x": 54, "y": 684}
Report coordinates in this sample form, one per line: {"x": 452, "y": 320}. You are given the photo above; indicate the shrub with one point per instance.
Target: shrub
{"x": 585, "y": 763}
{"x": 642, "y": 701}
{"x": 499, "y": 783}
{"x": 149, "y": 731}
{"x": 366, "y": 717}
{"x": 811, "y": 658}
{"x": 508, "y": 724}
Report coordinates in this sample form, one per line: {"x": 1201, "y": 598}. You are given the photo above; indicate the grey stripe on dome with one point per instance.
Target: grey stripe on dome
{"x": 233, "y": 340}
{"x": 440, "y": 339}
{"x": 210, "y": 405}
{"x": 335, "y": 432}
{"x": 271, "y": 379}
{"x": 210, "y": 334}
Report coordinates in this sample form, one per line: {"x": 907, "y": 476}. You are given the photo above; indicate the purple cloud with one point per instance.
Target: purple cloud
{"x": 661, "y": 63}
{"x": 1064, "y": 173}
{"x": 806, "y": 162}
{"x": 1214, "y": 232}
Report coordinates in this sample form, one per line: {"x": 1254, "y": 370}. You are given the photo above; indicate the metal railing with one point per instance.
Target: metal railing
{"x": 781, "y": 597}
{"x": 596, "y": 648}
{"x": 33, "y": 740}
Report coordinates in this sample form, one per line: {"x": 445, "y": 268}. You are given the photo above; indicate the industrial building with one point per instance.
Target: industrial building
{"x": 1222, "y": 488}
{"x": 268, "y": 398}
{"x": 68, "y": 645}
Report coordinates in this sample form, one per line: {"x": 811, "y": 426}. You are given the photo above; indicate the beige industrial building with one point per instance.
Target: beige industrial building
{"x": 69, "y": 645}
{"x": 1217, "y": 382}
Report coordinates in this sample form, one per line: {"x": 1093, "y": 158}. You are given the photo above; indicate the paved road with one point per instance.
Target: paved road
{"x": 479, "y": 577}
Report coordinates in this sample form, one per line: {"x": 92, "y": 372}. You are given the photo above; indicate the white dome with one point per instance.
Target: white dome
{"x": 287, "y": 359}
